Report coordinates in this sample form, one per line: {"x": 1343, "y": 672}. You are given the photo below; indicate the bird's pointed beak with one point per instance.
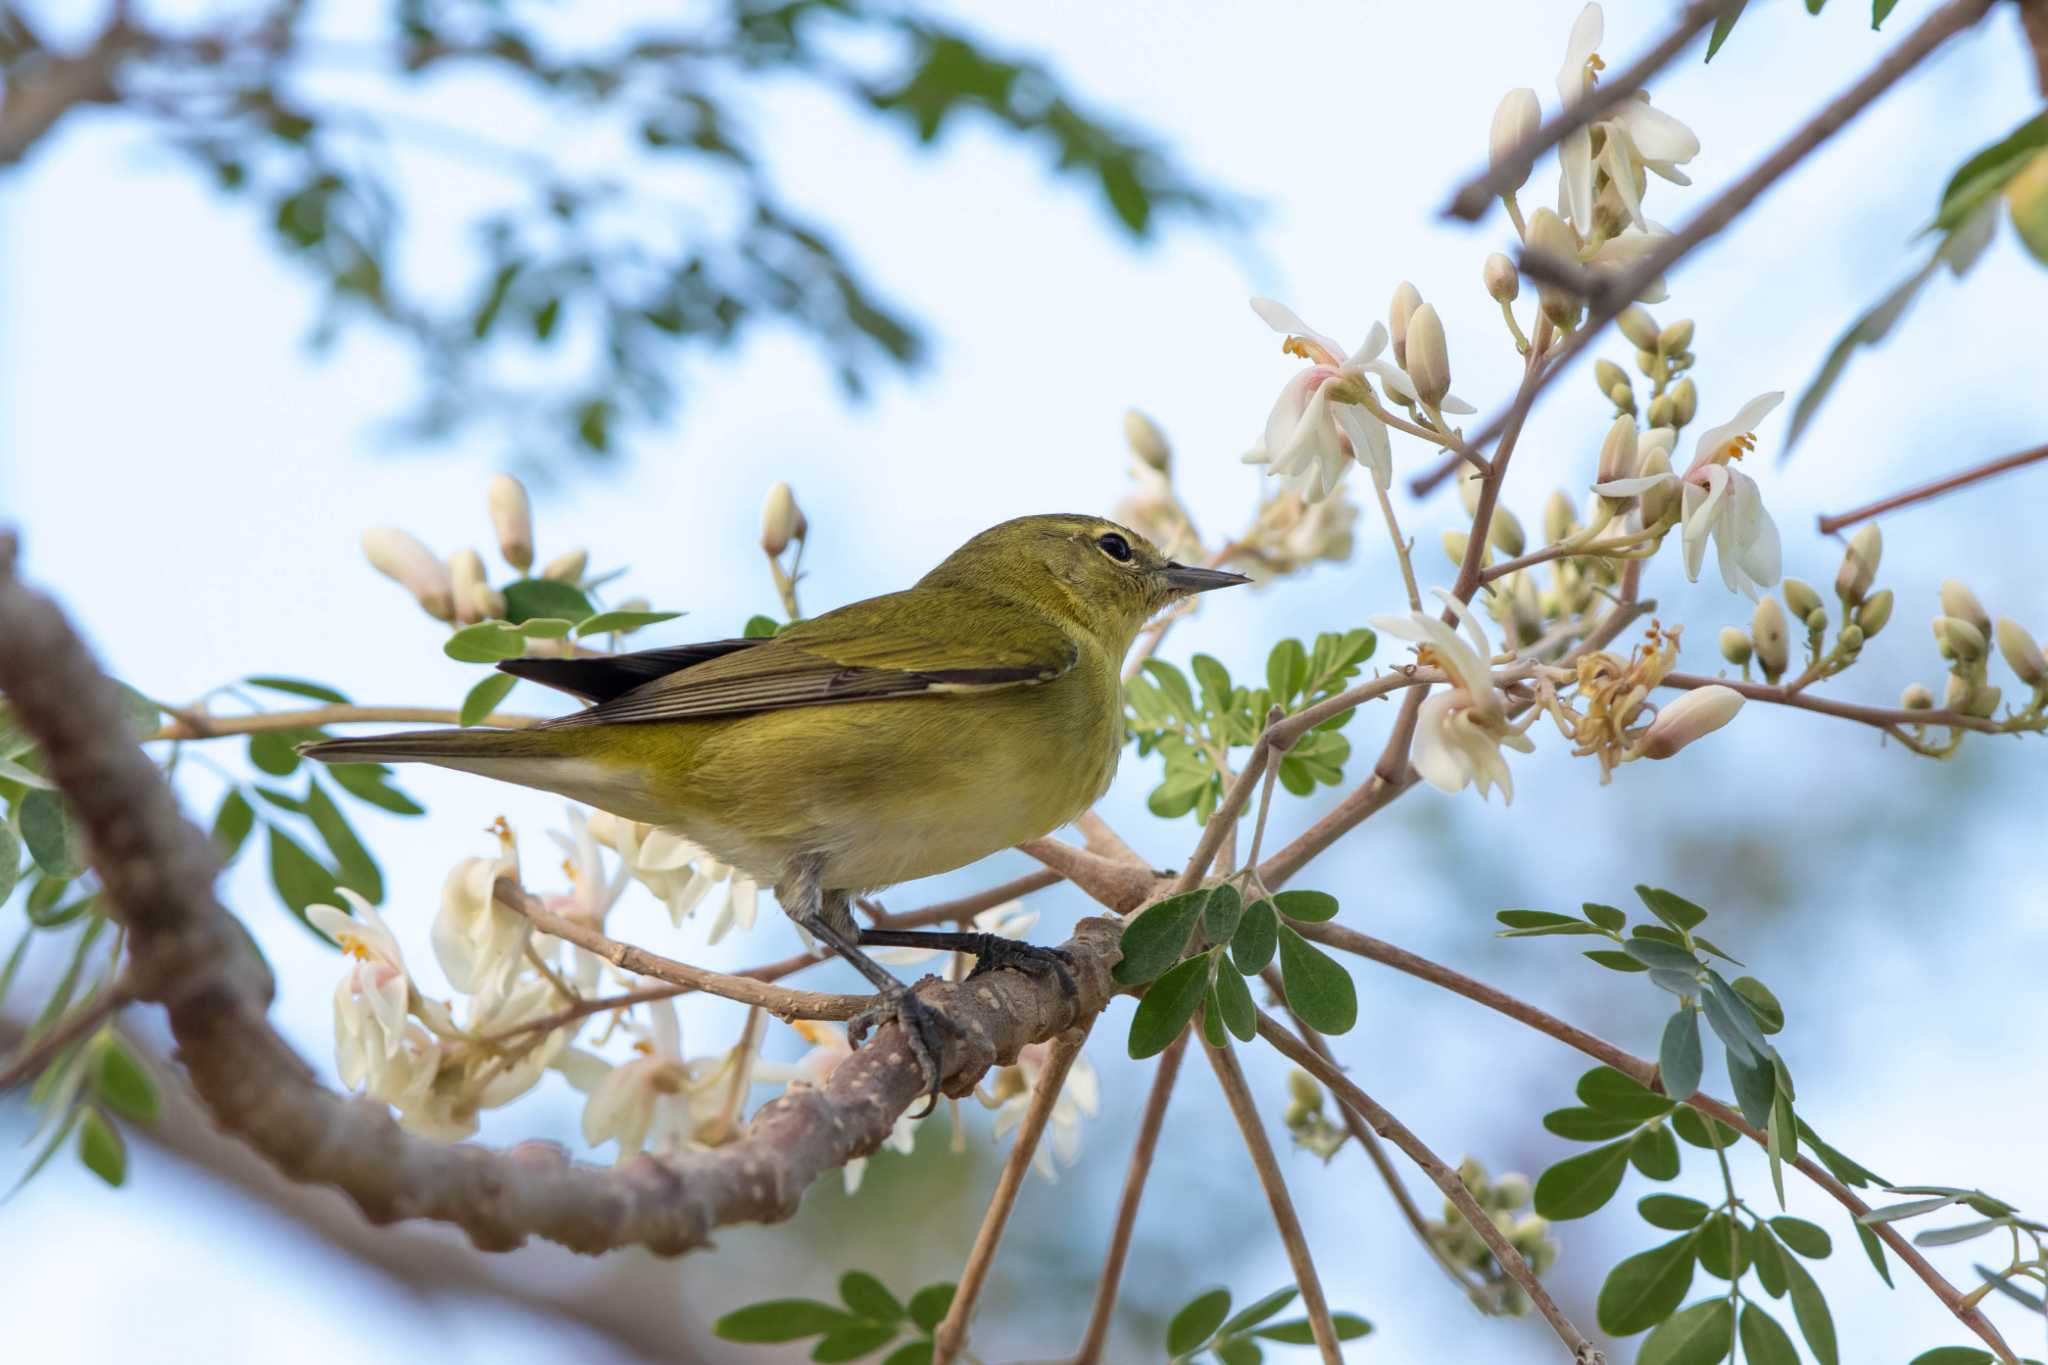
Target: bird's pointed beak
{"x": 1190, "y": 578}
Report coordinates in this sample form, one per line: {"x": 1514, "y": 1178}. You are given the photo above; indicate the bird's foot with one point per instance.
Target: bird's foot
{"x": 924, "y": 1032}
{"x": 996, "y": 953}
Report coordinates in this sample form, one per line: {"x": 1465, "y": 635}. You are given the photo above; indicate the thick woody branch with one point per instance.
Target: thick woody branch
{"x": 38, "y": 97}
{"x": 157, "y": 873}
{"x": 1121, "y": 886}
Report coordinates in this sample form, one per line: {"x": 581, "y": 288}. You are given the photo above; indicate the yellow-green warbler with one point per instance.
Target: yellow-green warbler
{"x": 894, "y": 738}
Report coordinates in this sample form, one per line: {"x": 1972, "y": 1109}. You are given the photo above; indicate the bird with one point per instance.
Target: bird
{"x": 894, "y": 738}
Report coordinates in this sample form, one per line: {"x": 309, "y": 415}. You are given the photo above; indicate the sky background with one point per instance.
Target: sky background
{"x": 193, "y": 483}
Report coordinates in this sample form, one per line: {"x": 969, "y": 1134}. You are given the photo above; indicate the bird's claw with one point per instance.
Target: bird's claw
{"x": 924, "y": 1032}
{"x": 999, "y": 953}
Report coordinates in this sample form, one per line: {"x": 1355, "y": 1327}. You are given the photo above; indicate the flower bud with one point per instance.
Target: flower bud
{"x": 1816, "y": 621}
{"x": 1505, "y": 531}
{"x": 401, "y": 558}
{"x": 1698, "y": 713}
{"x": 1503, "y": 282}
{"x": 1514, "y": 123}
{"x": 1875, "y": 612}
{"x": 1303, "y": 1089}
{"x": 1618, "y": 451}
{"x": 1407, "y": 298}
{"x": 1803, "y": 600}
{"x": 1767, "y": 631}
{"x": 1607, "y": 374}
{"x": 1455, "y": 543}
{"x": 1623, "y": 397}
{"x": 1661, "y": 502}
{"x": 1146, "y": 441}
{"x": 1663, "y": 412}
{"x": 1685, "y": 402}
{"x": 1735, "y": 646}
{"x": 1983, "y": 702}
{"x": 1639, "y": 327}
{"x": 1558, "y": 519}
{"x": 1960, "y": 602}
{"x": 1675, "y": 338}
{"x": 1958, "y": 639}
{"x": 1469, "y": 481}
{"x": 512, "y": 519}
{"x": 1526, "y": 610}
{"x": 2022, "y": 655}
{"x": 1646, "y": 361}
{"x": 470, "y": 589}
{"x": 1859, "y": 565}
{"x": 1551, "y": 234}
{"x": 1429, "y": 358}
{"x": 781, "y": 521}
{"x": 1851, "y": 639}
{"x": 1916, "y": 697}
{"x": 1956, "y": 695}
{"x": 567, "y": 567}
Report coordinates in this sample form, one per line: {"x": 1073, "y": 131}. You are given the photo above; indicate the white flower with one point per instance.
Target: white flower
{"x": 401, "y": 558}
{"x": 478, "y": 942}
{"x": 656, "y": 1098}
{"x": 1634, "y": 136}
{"x": 659, "y": 859}
{"x": 1459, "y": 731}
{"x": 742, "y": 900}
{"x": 829, "y": 1048}
{"x": 1080, "y": 1098}
{"x": 512, "y": 519}
{"x": 1008, "y": 920}
{"x": 1722, "y": 503}
{"x": 1698, "y": 713}
{"x": 370, "y": 1002}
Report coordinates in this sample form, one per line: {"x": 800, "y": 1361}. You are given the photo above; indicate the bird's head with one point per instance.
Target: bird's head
{"x": 1104, "y": 577}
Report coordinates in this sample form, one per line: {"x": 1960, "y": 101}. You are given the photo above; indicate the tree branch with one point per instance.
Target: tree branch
{"x": 1884, "y": 717}
{"x": 157, "y": 871}
{"x": 1830, "y": 525}
{"x": 199, "y": 725}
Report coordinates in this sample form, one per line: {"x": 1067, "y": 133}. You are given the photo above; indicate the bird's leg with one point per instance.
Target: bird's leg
{"x": 992, "y": 952}
{"x": 826, "y": 917}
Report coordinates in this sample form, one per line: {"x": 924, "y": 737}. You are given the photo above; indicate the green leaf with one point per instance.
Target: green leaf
{"x": 1769, "y": 1260}
{"x": 1763, "y": 1006}
{"x": 1873, "y": 1247}
{"x": 1580, "y": 1184}
{"x": 1233, "y": 1001}
{"x": 1691, "y": 1125}
{"x": 1808, "y": 1239}
{"x": 929, "y": 1305}
{"x": 487, "y": 642}
{"x": 299, "y": 687}
{"x": 1318, "y": 988}
{"x": 1256, "y": 939}
{"x": 868, "y": 1297}
{"x": 1612, "y": 1092}
{"x": 1220, "y": 916}
{"x": 299, "y": 878}
{"x": 1349, "y": 1327}
{"x": 1845, "y": 1170}
{"x": 101, "y": 1148}
{"x": 915, "y": 1353}
{"x": 1606, "y": 916}
{"x": 10, "y": 861}
{"x": 277, "y": 751}
{"x": 120, "y": 1081}
{"x": 1679, "y": 1061}
{"x": 1675, "y": 910}
{"x": 1880, "y": 10}
{"x": 1310, "y": 907}
{"x": 1646, "y": 1288}
{"x": 1961, "y": 1232}
{"x": 231, "y": 825}
{"x": 1195, "y": 1323}
{"x": 1764, "y": 1340}
{"x": 546, "y": 627}
{"x": 1816, "y": 1324}
{"x": 1155, "y": 940}
{"x": 531, "y": 598}
{"x": 1214, "y": 680}
{"x": 484, "y": 698}
{"x": 1167, "y": 1006}
{"x": 365, "y": 782}
{"x": 1672, "y": 1212}
{"x": 1253, "y": 1314}
{"x": 1731, "y": 1032}
{"x": 1699, "y": 1335}
{"x": 356, "y": 869}
{"x": 1755, "y": 1087}
{"x": 760, "y": 628}
{"x": 1287, "y": 670}
{"x": 1725, "y": 25}
{"x": 1912, "y": 1208}
{"x": 851, "y": 1343}
{"x": 46, "y": 830}
{"x": 1655, "y": 1153}
{"x": 1651, "y": 953}
{"x": 1738, "y": 1014}
{"x": 1173, "y": 688}
{"x": 1541, "y": 922}
{"x": 1238, "y": 1351}
{"x": 1724, "y": 1249}
{"x": 1587, "y": 1125}
{"x": 1615, "y": 960}
{"x": 605, "y": 622}
{"x": 775, "y": 1320}
{"x": 1212, "y": 1018}
{"x": 1954, "y": 1355}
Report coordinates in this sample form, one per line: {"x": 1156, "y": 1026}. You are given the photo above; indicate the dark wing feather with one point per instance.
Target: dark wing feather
{"x": 869, "y": 650}
{"x": 601, "y": 678}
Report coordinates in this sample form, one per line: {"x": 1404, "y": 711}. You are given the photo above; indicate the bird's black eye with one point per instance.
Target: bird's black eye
{"x": 1115, "y": 546}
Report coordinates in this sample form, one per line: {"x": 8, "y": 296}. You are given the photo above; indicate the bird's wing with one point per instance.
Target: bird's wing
{"x": 883, "y": 647}
{"x": 602, "y": 677}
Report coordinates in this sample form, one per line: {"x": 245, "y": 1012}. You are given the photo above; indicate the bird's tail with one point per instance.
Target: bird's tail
{"x": 575, "y": 763}
{"x": 468, "y": 748}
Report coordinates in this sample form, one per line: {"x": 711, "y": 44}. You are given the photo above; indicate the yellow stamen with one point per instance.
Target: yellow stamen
{"x": 1739, "y": 446}
{"x": 1297, "y": 347}
{"x": 1594, "y": 66}
{"x": 355, "y": 947}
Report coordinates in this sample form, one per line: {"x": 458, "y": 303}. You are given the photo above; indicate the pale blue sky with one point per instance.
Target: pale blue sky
{"x": 193, "y": 483}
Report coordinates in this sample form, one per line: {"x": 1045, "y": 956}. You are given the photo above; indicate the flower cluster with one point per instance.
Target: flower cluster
{"x": 1461, "y": 1245}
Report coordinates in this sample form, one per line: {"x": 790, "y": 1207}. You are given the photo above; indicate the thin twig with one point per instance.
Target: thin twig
{"x": 1442, "y": 1176}
{"x": 38, "y": 1053}
{"x": 1617, "y": 289}
{"x": 1476, "y": 195}
{"x": 1224, "y": 820}
{"x": 1401, "y": 554}
{"x": 1149, "y": 1126}
{"x": 604, "y": 1004}
{"x": 952, "y": 1331}
{"x": 1231, "y": 1076}
{"x": 967, "y": 907}
{"x": 1600, "y": 1050}
{"x": 1884, "y": 717}
{"x": 1830, "y": 525}
{"x": 197, "y": 725}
